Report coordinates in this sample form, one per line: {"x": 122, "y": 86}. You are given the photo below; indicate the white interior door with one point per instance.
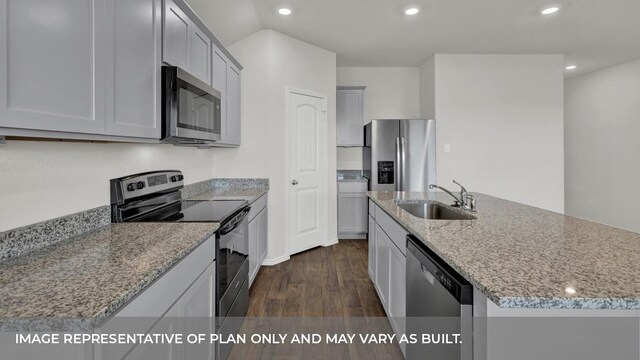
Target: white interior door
{"x": 307, "y": 194}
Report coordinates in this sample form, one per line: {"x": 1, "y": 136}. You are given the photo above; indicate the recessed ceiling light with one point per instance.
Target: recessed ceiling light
{"x": 550, "y": 10}
{"x": 284, "y": 11}
{"x": 570, "y": 290}
{"x": 571, "y": 67}
{"x": 412, "y": 11}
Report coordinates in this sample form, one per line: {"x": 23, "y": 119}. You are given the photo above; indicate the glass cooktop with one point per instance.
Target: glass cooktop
{"x": 196, "y": 211}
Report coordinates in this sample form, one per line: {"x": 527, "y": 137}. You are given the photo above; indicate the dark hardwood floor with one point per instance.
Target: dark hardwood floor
{"x": 326, "y": 281}
{"x": 323, "y": 291}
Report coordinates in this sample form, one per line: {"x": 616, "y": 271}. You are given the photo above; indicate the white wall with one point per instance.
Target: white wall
{"x": 273, "y": 61}
{"x": 391, "y": 93}
{"x": 47, "y": 179}
{"x": 503, "y": 118}
{"x": 230, "y": 21}
{"x": 602, "y": 147}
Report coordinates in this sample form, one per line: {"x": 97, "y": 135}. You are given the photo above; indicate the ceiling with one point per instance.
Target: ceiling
{"x": 590, "y": 33}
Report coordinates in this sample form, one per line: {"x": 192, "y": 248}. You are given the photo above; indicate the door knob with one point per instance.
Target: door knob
{"x": 294, "y": 182}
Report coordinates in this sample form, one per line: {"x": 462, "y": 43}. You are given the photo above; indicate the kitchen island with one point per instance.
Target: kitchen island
{"x": 545, "y": 285}
{"x": 520, "y": 256}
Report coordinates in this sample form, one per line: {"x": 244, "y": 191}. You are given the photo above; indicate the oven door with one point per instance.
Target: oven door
{"x": 232, "y": 262}
{"x": 192, "y": 109}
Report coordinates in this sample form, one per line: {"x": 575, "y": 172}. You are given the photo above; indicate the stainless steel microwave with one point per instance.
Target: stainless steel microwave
{"x": 190, "y": 109}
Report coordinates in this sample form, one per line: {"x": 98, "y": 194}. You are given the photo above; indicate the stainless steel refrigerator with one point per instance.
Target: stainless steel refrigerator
{"x": 400, "y": 155}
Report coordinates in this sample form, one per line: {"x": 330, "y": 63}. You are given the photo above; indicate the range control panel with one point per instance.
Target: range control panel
{"x": 145, "y": 184}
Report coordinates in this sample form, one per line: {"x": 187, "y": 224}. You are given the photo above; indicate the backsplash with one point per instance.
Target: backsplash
{"x": 18, "y": 241}
{"x": 29, "y": 238}
{"x": 192, "y": 190}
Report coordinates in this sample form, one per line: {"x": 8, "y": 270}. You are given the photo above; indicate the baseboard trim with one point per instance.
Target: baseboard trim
{"x": 352, "y": 236}
{"x": 276, "y": 260}
{"x": 331, "y": 242}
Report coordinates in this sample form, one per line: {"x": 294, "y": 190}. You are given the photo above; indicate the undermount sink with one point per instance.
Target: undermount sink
{"x": 434, "y": 211}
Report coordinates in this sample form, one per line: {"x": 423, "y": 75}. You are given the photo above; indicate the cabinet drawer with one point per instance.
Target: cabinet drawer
{"x": 357, "y": 187}
{"x": 257, "y": 206}
{"x": 396, "y": 232}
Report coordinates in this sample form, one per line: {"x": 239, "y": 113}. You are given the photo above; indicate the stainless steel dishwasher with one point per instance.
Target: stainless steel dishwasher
{"x": 439, "y": 304}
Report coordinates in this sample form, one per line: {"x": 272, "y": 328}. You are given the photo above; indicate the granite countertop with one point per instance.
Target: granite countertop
{"x": 250, "y": 195}
{"x": 90, "y": 276}
{"x": 351, "y": 176}
{"x": 525, "y": 257}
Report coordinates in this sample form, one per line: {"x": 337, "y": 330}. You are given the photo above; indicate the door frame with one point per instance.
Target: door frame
{"x": 324, "y": 167}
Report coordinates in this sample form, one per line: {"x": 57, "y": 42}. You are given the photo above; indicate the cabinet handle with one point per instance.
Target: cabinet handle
{"x": 294, "y": 182}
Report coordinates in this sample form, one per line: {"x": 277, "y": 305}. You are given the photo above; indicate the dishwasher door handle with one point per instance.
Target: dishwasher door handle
{"x": 428, "y": 275}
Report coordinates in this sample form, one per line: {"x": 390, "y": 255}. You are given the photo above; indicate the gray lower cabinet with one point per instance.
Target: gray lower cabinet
{"x": 352, "y": 210}
{"x": 181, "y": 301}
{"x": 372, "y": 248}
{"x": 193, "y": 313}
{"x": 387, "y": 266}
{"x": 94, "y": 69}
{"x": 258, "y": 236}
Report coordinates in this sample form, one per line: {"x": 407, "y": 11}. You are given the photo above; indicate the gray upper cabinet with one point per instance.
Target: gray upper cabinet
{"x": 200, "y": 55}
{"x": 219, "y": 82}
{"x": 226, "y": 79}
{"x": 350, "y": 115}
{"x": 231, "y": 130}
{"x": 52, "y": 55}
{"x": 176, "y": 31}
{"x": 133, "y": 109}
{"x": 185, "y": 45}
{"x": 92, "y": 70}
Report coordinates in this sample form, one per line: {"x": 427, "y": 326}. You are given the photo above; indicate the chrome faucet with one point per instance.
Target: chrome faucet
{"x": 465, "y": 200}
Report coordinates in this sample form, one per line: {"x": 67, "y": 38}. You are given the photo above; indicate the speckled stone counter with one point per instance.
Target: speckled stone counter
{"x": 90, "y": 276}
{"x": 249, "y": 195}
{"x": 351, "y": 176}
{"x": 524, "y": 257}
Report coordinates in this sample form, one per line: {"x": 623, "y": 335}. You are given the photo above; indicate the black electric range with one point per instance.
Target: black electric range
{"x": 156, "y": 197}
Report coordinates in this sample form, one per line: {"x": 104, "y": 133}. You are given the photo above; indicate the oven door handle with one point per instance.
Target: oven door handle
{"x": 237, "y": 220}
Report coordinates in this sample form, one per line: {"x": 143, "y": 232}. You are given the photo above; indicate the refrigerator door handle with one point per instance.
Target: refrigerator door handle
{"x": 398, "y": 170}
{"x": 403, "y": 161}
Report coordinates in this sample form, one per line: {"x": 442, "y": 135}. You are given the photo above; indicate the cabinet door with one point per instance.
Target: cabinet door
{"x": 263, "y": 235}
{"x": 52, "y": 55}
{"x": 231, "y": 129}
{"x": 382, "y": 266}
{"x": 219, "y": 82}
{"x": 372, "y": 248}
{"x": 196, "y": 309}
{"x": 200, "y": 55}
{"x": 352, "y": 213}
{"x": 167, "y": 325}
{"x": 176, "y": 30}
{"x": 397, "y": 289}
{"x": 134, "y": 66}
{"x": 349, "y": 118}
{"x": 253, "y": 249}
